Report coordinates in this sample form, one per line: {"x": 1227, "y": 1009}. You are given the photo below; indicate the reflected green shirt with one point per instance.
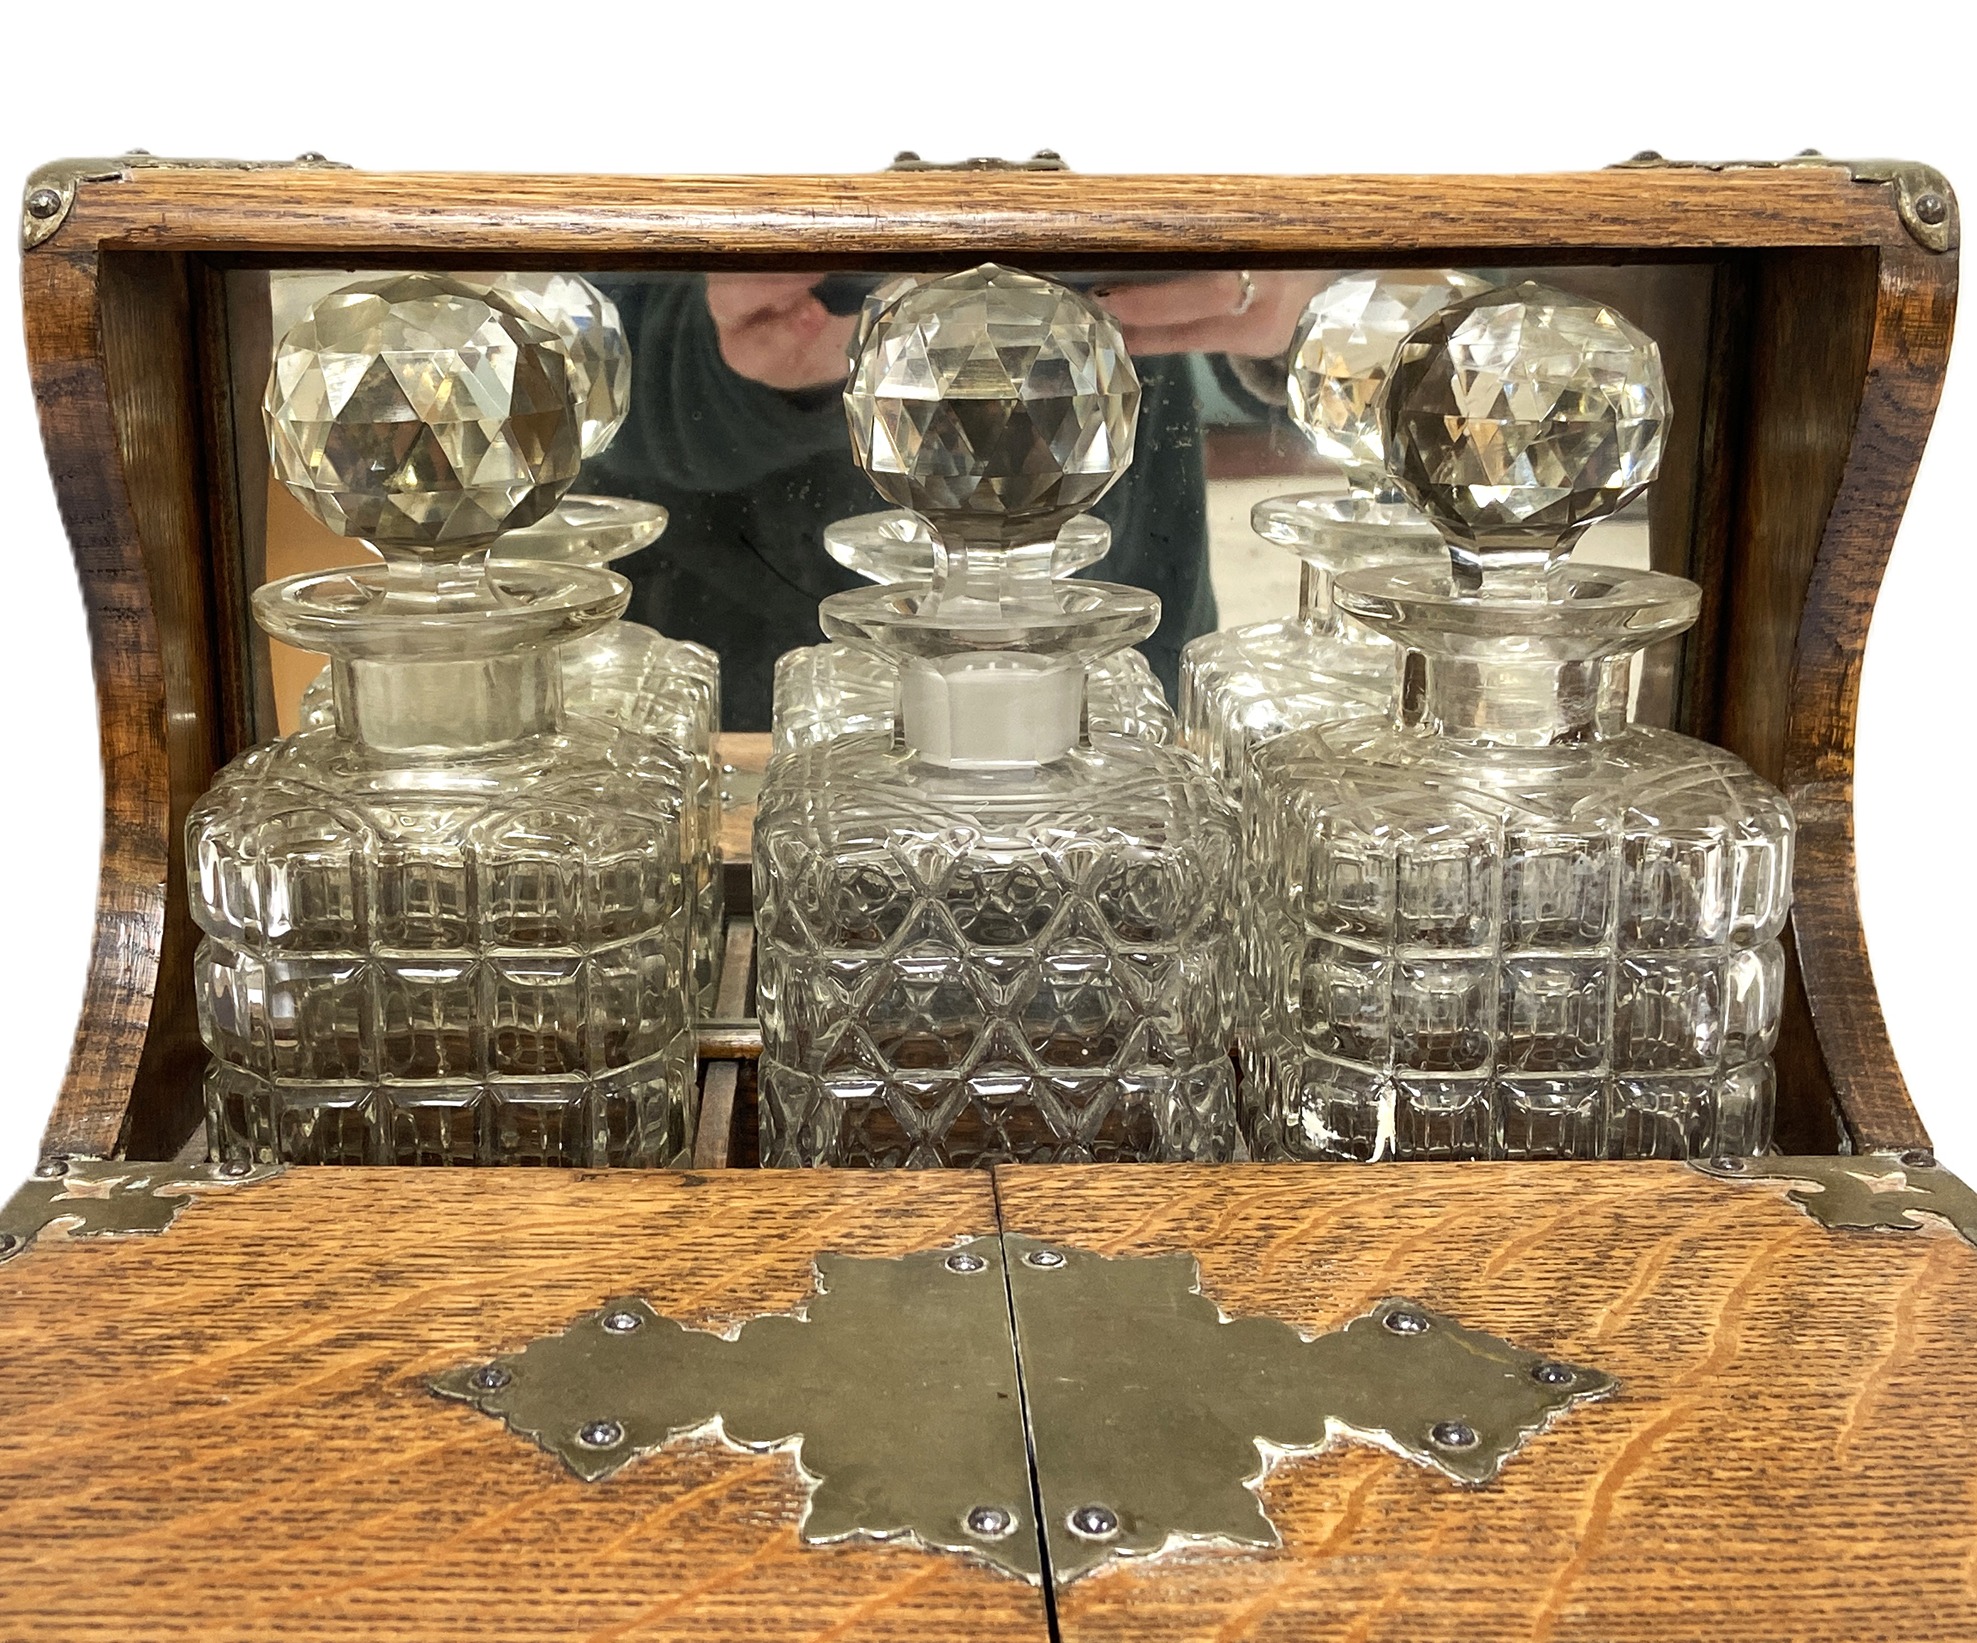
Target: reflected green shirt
{"x": 752, "y": 476}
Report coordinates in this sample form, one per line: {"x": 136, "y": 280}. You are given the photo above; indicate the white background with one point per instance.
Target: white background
{"x": 1255, "y": 85}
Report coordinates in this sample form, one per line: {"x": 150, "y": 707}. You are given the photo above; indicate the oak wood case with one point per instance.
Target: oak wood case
{"x": 223, "y": 1432}
{"x": 1828, "y": 330}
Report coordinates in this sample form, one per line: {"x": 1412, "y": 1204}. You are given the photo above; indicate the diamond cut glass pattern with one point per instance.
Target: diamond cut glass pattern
{"x": 966, "y": 968}
{"x": 1342, "y": 350}
{"x": 417, "y": 413}
{"x": 1518, "y": 417}
{"x": 1503, "y": 921}
{"x": 1001, "y": 933}
{"x": 453, "y": 925}
{"x": 586, "y": 321}
{"x": 993, "y": 394}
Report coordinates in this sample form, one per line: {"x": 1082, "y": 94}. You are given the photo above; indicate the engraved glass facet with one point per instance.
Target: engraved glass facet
{"x": 822, "y": 691}
{"x": 1342, "y": 350}
{"x": 1518, "y": 417}
{"x": 419, "y": 425}
{"x": 587, "y": 322}
{"x": 1244, "y": 685}
{"x": 632, "y": 675}
{"x": 999, "y": 934}
{"x": 452, "y": 926}
{"x": 1502, "y": 921}
{"x": 989, "y": 397}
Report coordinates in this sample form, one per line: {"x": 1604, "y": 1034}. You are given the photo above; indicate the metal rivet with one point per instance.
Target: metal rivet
{"x": 964, "y": 1262}
{"x": 1045, "y": 1258}
{"x": 1931, "y": 208}
{"x": 8, "y": 1243}
{"x": 1552, "y": 1374}
{"x": 1729, "y": 1164}
{"x": 137, "y": 153}
{"x": 491, "y": 1377}
{"x": 43, "y": 203}
{"x": 1406, "y": 1323}
{"x": 1647, "y": 156}
{"x": 600, "y": 1434}
{"x": 1919, "y": 1158}
{"x": 1094, "y": 1522}
{"x": 310, "y": 157}
{"x": 1452, "y": 1435}
{"x": 49, "y": 1168}
{"x": 622, "y": 1323}
{"x": 991, "y": 1522}
{"x": 235, "y": 1168}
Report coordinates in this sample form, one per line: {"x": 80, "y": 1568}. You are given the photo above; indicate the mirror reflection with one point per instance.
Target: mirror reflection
{"x": 734, "y": 435}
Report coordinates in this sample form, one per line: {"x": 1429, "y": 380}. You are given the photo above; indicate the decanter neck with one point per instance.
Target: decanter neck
{"x": 993, "y": 710}
{"x": 1515, "y": 702}
{"x": 448, "y": 706}
{"x": 1315, "y": 611}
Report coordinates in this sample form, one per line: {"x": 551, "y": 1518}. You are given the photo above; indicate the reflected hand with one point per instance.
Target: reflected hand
{"x": 1213, "y": 313}
{"x": 773, "y": 331}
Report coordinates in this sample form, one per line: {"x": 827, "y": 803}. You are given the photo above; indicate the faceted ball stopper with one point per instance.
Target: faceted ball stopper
{"x": 1342, "y": 350}
{"x": 1517, "y": 418}
{"x": 421, "y": 415}
{"x": 587, "y": 322}
{"x": 993, "y": 402}
{"x": 881, "y": 297}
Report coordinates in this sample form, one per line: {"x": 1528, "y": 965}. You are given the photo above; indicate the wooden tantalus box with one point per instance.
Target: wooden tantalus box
{"x": 1574, "y": 1402}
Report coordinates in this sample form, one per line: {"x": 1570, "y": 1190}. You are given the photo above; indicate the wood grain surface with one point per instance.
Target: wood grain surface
{"x": 224, "y": 1432}
{"x": 934, "y": 218}
{"x": 1792, "y": 1455}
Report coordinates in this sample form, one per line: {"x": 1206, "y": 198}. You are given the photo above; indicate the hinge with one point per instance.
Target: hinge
{"x": 1924, "y": 200}
{"x": 1864, "y": 1192}
{"x": 51, "y": 189}
{"x": 111, "y": 1198}
{"x": 1045, "y": 159}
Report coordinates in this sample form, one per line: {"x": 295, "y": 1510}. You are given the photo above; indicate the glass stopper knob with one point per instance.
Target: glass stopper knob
{"x": 1517, "y": 418}
{"x": 995, "y": 403}
{"x": 594, "y": 336}
{"x": 1342, "y": 350}
{"x": 422, "y": 415}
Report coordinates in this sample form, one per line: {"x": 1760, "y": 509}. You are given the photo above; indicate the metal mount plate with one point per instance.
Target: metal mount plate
{"x": 1140, "y": 1415}
{"x": 103, "y": 1198}
{"x": 1152, "y": 1416}
{"x": 1871, "y": 1191}
{"x": 895, "y": 1386}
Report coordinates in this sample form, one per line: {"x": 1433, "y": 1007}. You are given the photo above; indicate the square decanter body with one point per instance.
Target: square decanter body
{"x": 462, "y": 960}
{"x": 971, "y": 967}
{"x": 1458, "y": 950}
{"x": 825, "y": 691}
{"x": 628, "y": 674}
{"x": 631, "y": 675}
{"x": 1241, "y": 687}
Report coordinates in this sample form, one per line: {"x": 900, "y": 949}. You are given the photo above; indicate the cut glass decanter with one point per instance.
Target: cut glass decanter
{"x": 453, "y": 926}
{"x": 1243, "y": 685}
{"x": 625, "y": 672}
{"x": 993, "y": 934}
{"x": 828, "y": 690}
{"x": 1503, "y": 921}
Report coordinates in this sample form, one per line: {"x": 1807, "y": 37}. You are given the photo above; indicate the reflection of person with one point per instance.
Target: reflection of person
{"x": 738, "y": 428}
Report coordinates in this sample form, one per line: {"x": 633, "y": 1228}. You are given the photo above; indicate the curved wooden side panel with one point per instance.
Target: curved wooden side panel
{"x": 109, "y": 347}
{"x": 1915, "y": 311}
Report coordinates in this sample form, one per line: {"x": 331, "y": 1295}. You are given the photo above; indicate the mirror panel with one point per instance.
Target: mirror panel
{"x": 737, "y": 429}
